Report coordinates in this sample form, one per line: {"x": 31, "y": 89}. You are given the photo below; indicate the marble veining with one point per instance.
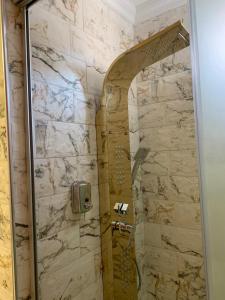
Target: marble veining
{"x": 73, "y": 44}
{"x": 172, "y": 261}
{"x": 68, "y": 76}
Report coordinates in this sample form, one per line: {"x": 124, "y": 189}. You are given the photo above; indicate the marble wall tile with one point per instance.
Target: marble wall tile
{"x": 163, "y": 286}
{"x": 94, "y": 52}
{"x": 183, "y": 163}
{"x": 85, "y": 108}
{"x": 157, "y": 23}
{"x": 43, "y": 177}
{"x": 172, "y": 188}
{"x": 177, "y": 112}
{"x": 191, "y": 269}
{"x": 182, "y": 215}
{"x": 160, "y": 260}
{"x": 59, "y": 139}
{"x": 50, "y": 102}
{"x": 168, "y": 138}
{"x": 96, "y": 16}
{"x": 88, "y": 170}
{"x": 47, "y": 31}
{"x": 69, "y": 10}
{"x": 56, "y": 175}
{"x": 188, "y": 215}
{"x": 52, "y": 66}
{"x": 155, "y": 187}
{"x": 152, "y": 115}
{"x": 53, "y": 176}
{"x": 185, "y": 189}
{"x": 174, "y": 64}
{"x": 152, "y": 234}
{"x": 95, "y": 79}
{"x": 58, "y": 250}
{"x": 70, "y": 286}
{"x": 166, "y": 88}
{"x": 121, "y": 31}
{"x": 182, "y": 240}
{"x": 93, "y": 291}
{"x": 156, "y": 163}
{"x": 89, "y": 236}
{"x": 160, "y": 212}
{"x": 53, "y": 214}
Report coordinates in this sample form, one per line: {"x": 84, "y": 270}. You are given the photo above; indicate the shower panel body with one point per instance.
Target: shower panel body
{"x": 120, "y": 270}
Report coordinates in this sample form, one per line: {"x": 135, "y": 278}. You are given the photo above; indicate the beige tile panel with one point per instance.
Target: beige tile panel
{"x": 168, "y": 138}
{"x": 56, "y": 284}
{"x": 70, "y": 11}
{"x": 52, "y": 66}
{"x": 55, "y": 176}
{"x": 172, "y": 188}
{"x": 59, "y": 139}
{"x": 182, "y": 215}
{"x": 182, "y": 240}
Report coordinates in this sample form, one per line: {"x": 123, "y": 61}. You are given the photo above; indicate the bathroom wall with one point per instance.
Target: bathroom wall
{"x": 173, "y": 255}
{"x": 172, "y": 264}
{"x": 73, "y": 45}
{"x": 14, "y": 47}
{"x": 6, "y": 253}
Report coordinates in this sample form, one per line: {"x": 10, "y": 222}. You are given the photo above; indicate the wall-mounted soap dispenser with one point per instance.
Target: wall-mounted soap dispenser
{"x": 81, "y": 197}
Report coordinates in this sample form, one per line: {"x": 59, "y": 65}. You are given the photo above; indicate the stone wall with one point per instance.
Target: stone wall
{"x": 173, "y": 255}
{"x": 73, "y": 45}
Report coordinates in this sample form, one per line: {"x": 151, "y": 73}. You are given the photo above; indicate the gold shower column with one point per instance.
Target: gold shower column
{"x": 115, "y": 182}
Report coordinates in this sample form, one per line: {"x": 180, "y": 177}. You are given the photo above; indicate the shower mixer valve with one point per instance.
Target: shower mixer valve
{"x": 122, "y": 227}
{"x": 121, "y": 208}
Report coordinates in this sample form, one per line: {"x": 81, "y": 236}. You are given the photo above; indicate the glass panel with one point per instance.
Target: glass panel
{"x": 169, "y": 234}
{"x": 6, "y": 236}
{"x": 208, "y": 49}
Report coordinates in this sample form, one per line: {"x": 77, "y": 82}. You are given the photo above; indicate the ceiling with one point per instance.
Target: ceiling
{"x": 138, "y": 11}
{"x": 146, "y": 9}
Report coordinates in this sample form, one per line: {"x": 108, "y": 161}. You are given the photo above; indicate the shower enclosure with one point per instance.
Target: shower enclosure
{"x": 112, "y": 156}
{"x": 124, "y": 279}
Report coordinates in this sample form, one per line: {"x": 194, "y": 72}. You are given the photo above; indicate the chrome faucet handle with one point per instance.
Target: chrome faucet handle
{"x": 121, "y": 208}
